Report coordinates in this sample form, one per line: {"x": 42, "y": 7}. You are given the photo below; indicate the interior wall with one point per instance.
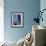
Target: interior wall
{"x": 43, "y": 6}
{"x": 1, "y": 20}
{"x": 29, "y": 7}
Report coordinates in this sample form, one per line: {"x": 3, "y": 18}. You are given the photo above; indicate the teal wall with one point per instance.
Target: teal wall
{"x": 43, "y": 6}
{"x": 29, "y": 7}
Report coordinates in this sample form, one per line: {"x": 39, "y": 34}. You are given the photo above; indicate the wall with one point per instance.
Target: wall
{"x": 1, "y": 20}
{"x": 29, "y": 7}
{"x": 43, "y": 6}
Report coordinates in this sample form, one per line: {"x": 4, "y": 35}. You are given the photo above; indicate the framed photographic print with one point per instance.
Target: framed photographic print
{"x": 17, "y": 19}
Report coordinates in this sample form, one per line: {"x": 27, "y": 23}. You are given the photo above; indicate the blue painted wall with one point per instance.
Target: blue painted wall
{"x": 29, "y": 7}
{"x": 43, "y": 6}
